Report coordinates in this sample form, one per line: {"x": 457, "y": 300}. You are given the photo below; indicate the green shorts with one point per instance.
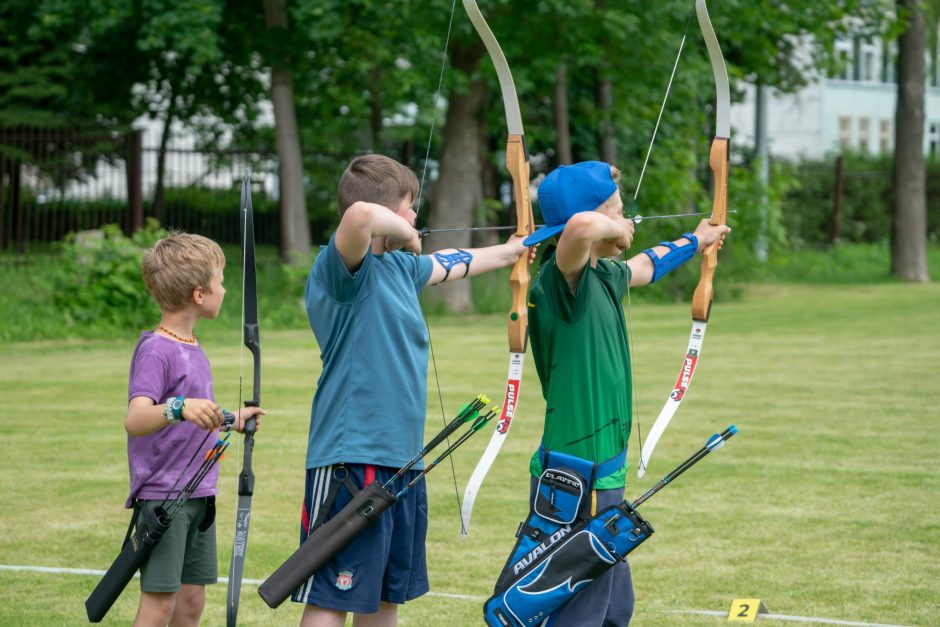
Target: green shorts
{"x": 184, "y": 554}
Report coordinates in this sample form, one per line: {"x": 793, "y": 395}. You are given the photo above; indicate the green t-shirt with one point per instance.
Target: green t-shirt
{"x": 579, "y": 343}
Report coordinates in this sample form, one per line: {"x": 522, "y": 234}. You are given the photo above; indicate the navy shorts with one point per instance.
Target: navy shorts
{"x": 608, "y": 600}
{"x": 386, "y": 562}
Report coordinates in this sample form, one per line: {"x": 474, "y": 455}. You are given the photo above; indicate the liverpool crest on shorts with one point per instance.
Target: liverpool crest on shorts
{"x": 344, "y": 580}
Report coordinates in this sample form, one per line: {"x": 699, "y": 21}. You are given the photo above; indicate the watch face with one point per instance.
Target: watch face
{"x": 177, "y": 404}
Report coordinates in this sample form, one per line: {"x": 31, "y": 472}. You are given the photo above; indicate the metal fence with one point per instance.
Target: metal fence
{"x": 49, "y": 176}
{"x": 54, "y": 181}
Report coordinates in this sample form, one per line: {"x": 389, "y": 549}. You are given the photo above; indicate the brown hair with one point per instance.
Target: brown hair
{"x": 178, "y": 264}
{"x": 377, "y": 179}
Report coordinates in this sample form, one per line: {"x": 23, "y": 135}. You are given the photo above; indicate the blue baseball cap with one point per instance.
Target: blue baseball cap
{"x": 568, "y": 190}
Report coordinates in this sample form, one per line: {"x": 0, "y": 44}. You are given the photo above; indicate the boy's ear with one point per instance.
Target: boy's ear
{"x": 198, "y": 295}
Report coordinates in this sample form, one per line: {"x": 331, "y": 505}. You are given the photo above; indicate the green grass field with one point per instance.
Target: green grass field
{"x": 827, "y": 504}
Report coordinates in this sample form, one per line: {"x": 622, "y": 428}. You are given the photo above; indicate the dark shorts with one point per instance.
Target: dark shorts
{"x": 184, "y": 554}
{"x": 386, "y": 562}
{"x": 608, "y": 600}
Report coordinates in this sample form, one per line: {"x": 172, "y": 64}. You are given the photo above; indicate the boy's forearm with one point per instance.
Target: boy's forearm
{"x": 145, "y": 420}
{"x": 682, "y": 241}
{"x": 491, "y": 258}
{"x": 473, "y": 261}
{"x": 590, "y": 227}
{"x": 375, "y": 221}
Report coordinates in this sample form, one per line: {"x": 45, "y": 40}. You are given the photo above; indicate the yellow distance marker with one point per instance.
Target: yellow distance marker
{"x": 746, "y": 610}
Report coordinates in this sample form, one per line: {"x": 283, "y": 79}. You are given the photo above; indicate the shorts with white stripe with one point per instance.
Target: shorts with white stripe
{"x": 386, "y": 562}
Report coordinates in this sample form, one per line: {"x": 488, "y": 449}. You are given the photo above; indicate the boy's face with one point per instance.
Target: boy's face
{"x": 613, "y": 209}
{"x": 404, "y": 210}
{"x": 212, "y": 300}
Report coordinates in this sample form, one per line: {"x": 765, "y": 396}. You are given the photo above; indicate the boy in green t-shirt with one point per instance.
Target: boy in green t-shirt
{"x": 579, "y": 343}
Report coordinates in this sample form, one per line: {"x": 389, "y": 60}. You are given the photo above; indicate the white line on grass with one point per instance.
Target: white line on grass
{"x": 795, "y": 619}
{"x": 251, "y": 582}
{"x": 464, "y": 597}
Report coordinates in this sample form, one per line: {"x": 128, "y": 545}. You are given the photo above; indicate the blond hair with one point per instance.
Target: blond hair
{"x": 615, "y": 177}
{"x": 178, "y": 264}
{"x": 377, "y": 179}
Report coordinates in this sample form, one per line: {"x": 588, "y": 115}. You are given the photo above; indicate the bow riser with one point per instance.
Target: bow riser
{"x": 704, "y": 292}
{"x": 517, "y": 162}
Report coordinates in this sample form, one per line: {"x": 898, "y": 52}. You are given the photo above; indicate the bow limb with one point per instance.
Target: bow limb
{"x": 252, "y": 341}
{"x": 703, "y": 295}
{"x": 517, "y": 162}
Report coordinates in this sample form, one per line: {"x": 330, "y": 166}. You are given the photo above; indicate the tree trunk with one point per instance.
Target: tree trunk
{"x": 607, "y": 144}
{"x": 375, "y": 108}
{"x": 159, "y": 210}
{"x": 458, "y": 191}
{"x": 562, "y": 125}
{"x": 295, "y": 227}
{"x": 909, "y": 226}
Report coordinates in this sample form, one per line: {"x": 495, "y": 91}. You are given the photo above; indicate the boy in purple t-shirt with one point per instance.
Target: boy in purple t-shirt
{"x": 171, "y": 409}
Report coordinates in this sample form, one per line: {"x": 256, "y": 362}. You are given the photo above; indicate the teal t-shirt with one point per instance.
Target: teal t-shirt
{"x": 579, "y": 345}
{"x": 370, "y": 403}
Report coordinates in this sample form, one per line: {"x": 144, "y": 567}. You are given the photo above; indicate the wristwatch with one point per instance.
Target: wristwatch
{"x": 173, "y": 411}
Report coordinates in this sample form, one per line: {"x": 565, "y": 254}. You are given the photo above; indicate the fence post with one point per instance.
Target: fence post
{"x": 134, "y": 170}
{"x": 16, "y": 208}
{"x": 4, "y": 147}
{"x": 837, "y": 204}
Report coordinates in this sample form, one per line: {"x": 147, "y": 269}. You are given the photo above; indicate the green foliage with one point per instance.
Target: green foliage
{"x": 867, "y": 200}
{"x": 99, "y": 282}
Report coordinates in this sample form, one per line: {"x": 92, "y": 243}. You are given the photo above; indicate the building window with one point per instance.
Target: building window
{"x": 889, "y": 59}
{"x": 867, "y": 61}
{"x": 845, "y": 132}
{"x": 934, "y": 138}
{"x": 844, "y": 56}
{"x": 884, "y": 135}
{"x": 863, "y": 132}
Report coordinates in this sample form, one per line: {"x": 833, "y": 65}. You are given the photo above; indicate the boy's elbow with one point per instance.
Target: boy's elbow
{"x": 359, "y": 214}
{"x": 132, "y": 424}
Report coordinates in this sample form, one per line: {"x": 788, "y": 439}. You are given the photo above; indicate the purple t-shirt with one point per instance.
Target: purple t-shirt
{"x": 162, "y": 369}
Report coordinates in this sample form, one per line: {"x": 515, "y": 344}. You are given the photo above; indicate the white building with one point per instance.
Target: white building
{"x": 854, "y": 110}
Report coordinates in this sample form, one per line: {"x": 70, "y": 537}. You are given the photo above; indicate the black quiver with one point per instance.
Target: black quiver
{"x": 138, "y": 544}
{"x": 326, "y": 541}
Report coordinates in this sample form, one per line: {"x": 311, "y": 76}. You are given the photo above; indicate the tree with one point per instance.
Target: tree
{"x": 295, "y": 228}
{"x": 909, "y": 226}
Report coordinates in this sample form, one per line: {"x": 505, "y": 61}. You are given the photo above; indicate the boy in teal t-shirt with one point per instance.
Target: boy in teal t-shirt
{"x": 579, "y": 343}
{"x": 367, "y": 418}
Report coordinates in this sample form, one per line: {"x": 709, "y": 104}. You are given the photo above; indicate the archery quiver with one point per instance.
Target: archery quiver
{"x": 530, "y": 590}
{"x": 561, "y": 547}
{"x": 138, "y": 544}
{"x": 326, "y": 541}
{"x": 554, "y": 559}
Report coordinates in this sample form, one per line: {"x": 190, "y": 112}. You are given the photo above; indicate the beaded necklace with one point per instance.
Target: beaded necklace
{"x": 185, "y": 340}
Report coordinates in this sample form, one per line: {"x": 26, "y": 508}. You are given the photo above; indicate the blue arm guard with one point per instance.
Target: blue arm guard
{"x": 676, "y": 256}
{"x": 449, "y": 260}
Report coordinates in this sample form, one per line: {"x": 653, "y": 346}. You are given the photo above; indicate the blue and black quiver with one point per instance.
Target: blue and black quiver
{"x": 559, "y": 550}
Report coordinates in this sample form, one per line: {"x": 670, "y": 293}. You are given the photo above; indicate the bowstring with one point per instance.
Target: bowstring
{"x": 243, "y": 210}
{"x": 635, "y": 414}
{"x": 427, "y": 155}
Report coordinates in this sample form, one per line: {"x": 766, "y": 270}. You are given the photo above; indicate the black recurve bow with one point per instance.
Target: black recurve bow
{"x": 246, "y": 479}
